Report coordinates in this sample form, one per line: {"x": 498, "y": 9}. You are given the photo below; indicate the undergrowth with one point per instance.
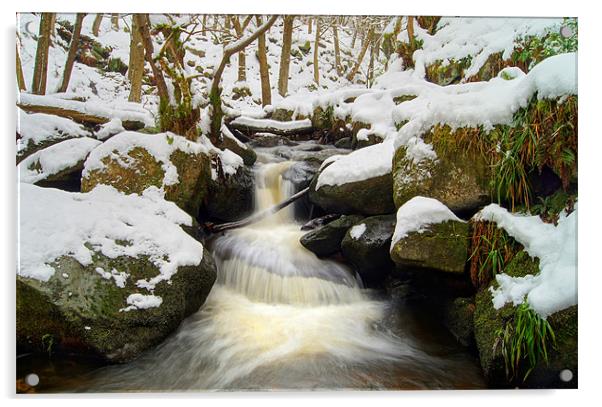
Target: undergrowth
{"x": 491, "y": 250}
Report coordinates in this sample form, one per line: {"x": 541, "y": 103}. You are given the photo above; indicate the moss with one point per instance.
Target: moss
{"x": 116, "y": 65}
{"x": 403, "y": 98}
{"x": 521, "y": 265}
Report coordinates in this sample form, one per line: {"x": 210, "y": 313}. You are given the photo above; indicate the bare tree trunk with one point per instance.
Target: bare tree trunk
{"x": 370, "y": 73}
{"x": 136, "y": 67}
{"x": 52, "y": 31}
{"x": 204, "y": 24}
{"x": 79, "y": 18}
{"x": 264, "y": 73}
{"x": 143, "y": 24}
{"x": 337, "y": 51}
{"x": 309, "y": 25}
{"x": 285, "y": 56}
{"x": 317, "y": 53}
{"x": 41, "y": 64}
{"x": 215, "y": 93}
{"x": 360, "y": 58}
{"x": 115, "y": 21}
{"x": 354, "y": 38}
{"x": 20, "y": 77}
{"x": 96, "y": 24}
{"x": 242, "y": 59}
{"x": 411, "y": 31}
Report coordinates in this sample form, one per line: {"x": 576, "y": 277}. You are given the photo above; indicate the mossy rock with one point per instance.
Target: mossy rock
{"x": 459, "y": 319}
{"x": 77, "y": 311}
{"x": 372, "y": 196}
{"x": 231, "y": 198}
{"x": 449, "y": 73}
{"x": 488, "y": 322}
{"x": 345, "y": 142}
{"x": 370, "y": 140}
{"x": 143, "y": 171}
{"x": 245, "y": 152}
{"x": 286, "y": 115}
{"x": 369, "y": 253}
{"x": 305, "y": 47}
{"x": 458, "y": 179}
{"x": 326, "y": 240}
{"x": 441, "y": 246}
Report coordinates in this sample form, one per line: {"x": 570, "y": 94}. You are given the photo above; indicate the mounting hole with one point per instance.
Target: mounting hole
{"x": 32, "y": 379}
{"x": 566, "y": 375}
{"x": 566, "y": 32}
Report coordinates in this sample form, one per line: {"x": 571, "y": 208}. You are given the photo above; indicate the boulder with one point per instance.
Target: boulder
{"x": 458, "y": 317}
{"x": 270, "y": 140}
{"x": 441, "y": 246}
{"x": 230, "y": 142}
{"x": 488, "y": 326}
{"x": 82, "y": 313}
{"x": 366, "y": 246}
{"x": 300, "y": 175}
{"x": 371, "y": 196}
{"x": 458, "y": 179}
{"x": 345, "y": 142}
{"x": 230, "y": 198}
{"x": 132, "y": 162}
{"x": 326, "y": 240}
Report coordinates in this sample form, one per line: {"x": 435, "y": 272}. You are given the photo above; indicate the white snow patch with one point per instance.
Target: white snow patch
{"x": 142, "y": 301}
{"x": 357, "y": 231}
{"x": 555, "y": 287}
{"x": 418, "y": 214}
{"x": 268, "y": 124}
{"x": 112, "y": 127}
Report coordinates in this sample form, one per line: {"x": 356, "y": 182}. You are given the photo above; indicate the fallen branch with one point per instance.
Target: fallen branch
{"x": 249, "y": 126}
{"x": 212, "y": 228}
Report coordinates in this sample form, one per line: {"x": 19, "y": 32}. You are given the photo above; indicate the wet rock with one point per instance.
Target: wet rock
{"x": 230, "y": 198}
{"x": 78, "y": 311}
{"x": 366, "y": 246}
{"x": 459, "y": 319}
{"x": 442, "y": 246}
{"x": 319, "y": 222}
{"x": 270, "y": 140}
{"x": 345, "y": 142}
{"x": 326, "y": 240}
{"x": 372, "y": 196}
{"x": 245, "y": 152}
{"x": 458, "y": 179}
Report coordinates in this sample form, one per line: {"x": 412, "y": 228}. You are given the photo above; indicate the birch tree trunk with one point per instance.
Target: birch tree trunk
{"x": 317, "y": 53}
{"x": 41, "y": 63}
{"x": 96, "y": 25}
{"x": 20, "y": 77}
{"x": 79, "y": 18}
{"x": 360, "y": 58}
{"x": 285, "y": 56}
{"x": 264, "y": 73}
{"x": 337, "y": 51}
{"x": 136, "y": 67}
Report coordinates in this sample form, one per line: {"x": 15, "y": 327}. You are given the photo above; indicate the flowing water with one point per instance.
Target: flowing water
{"x": 280, "y": 318}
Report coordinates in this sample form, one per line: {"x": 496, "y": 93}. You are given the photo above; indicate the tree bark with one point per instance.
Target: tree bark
{"x": 143, "y": 23}
{"x": 360, "y": 58}
{"x": 337, "y": 51}
{"x": 115, "y": 21}
{"x": 96, "y": 25}
{"x": 285, "y": 56}
{"x": 309, "y": 25}
{"x": 264, "y": 73}
{"x": 317, "y": 53}
{"x": 20, "y": 77}
{"x": 242, "y": 58}
{"x": 136, "y": 67}
{"x": 73, "y": 46}
{"x": 215, "y": 93}
{"x": 41, "y": 63}
{"x": 411, "y": 31}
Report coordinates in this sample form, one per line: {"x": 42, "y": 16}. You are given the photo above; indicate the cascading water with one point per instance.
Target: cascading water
{"x": 280, "y": 318}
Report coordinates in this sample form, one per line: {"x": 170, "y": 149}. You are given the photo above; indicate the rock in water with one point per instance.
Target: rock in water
{"x": 231, "y": 198}
{"x": 371, "y": 196}
{"x": 441, "y": 246}
{"x": 459, "y": 319}
{"x": 326, "y": 240}
{"x": 132, "y": 162}
{"x": 366, "y": 246}
{"x": 457, "y": 179}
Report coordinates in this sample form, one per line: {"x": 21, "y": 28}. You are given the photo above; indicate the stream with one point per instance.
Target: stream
{"x": 280, "y": 318}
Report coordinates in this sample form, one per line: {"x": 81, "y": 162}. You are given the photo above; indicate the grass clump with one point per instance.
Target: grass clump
{"x": 491, "y": 250}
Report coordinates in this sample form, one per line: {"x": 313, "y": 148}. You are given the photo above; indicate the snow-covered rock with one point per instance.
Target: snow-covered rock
{"x": 118, "y": 264}
{"x": 132, "y": 162}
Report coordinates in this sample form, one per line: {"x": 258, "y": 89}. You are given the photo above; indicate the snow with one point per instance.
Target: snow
{"x": 357, "y": 231}
{"x": 160, "y": 146}
{"x": 118, "y": 109}
{"x": 230, "y": 162}
{"x": 142, "y": 301}
{"x": 268, "y": 124}
{"x": 36, "y": 128}
{"x": 79, "y": 224}
{"x": 418, "y": 214}
{"x": 54, "y": 159}
{"x": 119, "y": 277}
{"x": 555, "y": 287}
{"x": 112, "y": 127}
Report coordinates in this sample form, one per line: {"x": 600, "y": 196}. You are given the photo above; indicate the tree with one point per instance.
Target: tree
{"x": 216, "y": 91}
{"x": 136, "y": 66}
{"x": 115, "y": 21}
{"x": 41, "y": 63}
{"x": 20, "y": 77}
{"x": 264, "y": 73}
{"x": 337, "y": 51}
{"x": 317, "y": 53}
{"x": 360, "y": 58}
{"x": 79, "y": 18}
{"x": 411, "y": 31}
{"x": 285, "y": 56}
{"x": 240, "y": 29}
{"x": 96, "y": 25}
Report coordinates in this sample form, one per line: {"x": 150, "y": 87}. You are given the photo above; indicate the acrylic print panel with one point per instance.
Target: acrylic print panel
{"x": 231, "y": 202}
